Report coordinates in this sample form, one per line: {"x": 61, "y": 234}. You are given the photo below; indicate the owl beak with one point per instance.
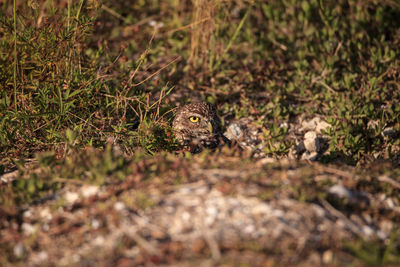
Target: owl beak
{"x": 210, "y": 127}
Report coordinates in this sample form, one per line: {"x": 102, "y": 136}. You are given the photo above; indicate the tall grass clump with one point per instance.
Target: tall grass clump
{"x": 62, "y": 76}
{"x": 214, "y": 28}
{"x": 50, "y": 78}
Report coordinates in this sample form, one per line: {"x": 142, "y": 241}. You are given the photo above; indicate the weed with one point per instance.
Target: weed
{"x": 376, "y": 253}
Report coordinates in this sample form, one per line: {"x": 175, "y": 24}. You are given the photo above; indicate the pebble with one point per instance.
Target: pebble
{"x": 45, "y": 227}
{"x": 389, "y": 132}
{"x": 186, "y": 216}
{"x": 42, "y": 256}
{"x": 71, "y": 197}
{"x": 119, "y": 206}
{"x": 233, "y": 131}
{"x": 99, "y": 241}
{"x": 315, "y": 124}
{"x": 158, "y": 234}
{"x": 88, "y": 191}
{"x": 96, "y": 224}
{"x": 311, "y": 124}
{"x": 313, "y": 156}
{"x": 28, "y": 228}
{"x": 19, "y": 250}
{"x": 340, "y": 191}
{"x": 27, "y": 214}
{"x": 390, "y": 203}
{"x": 368, "y": 231}
{"x": 327, "y": 257}
{"x": 311, "y": 142}
{"x": 46, "y": 214}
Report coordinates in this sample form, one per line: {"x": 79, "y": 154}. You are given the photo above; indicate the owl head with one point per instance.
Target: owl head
{"x": 197, "y": 124}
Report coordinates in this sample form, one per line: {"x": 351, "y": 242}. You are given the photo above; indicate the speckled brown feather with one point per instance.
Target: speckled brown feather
{"x": 197, "y": 135}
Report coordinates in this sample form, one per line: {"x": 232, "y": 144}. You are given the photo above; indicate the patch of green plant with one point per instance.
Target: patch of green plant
{"x": 54, "y": 80}
{"x": 275, "y": 140}
{"x": 62, "y": 82}
{"x": 376, "y": 253}
{"x": 155, "y": 137}
{"x": 89, "y": 166}
{"x": 335, "y": 58}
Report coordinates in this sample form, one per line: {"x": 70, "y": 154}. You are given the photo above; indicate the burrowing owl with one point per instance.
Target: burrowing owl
{"x": 197, "y": 125}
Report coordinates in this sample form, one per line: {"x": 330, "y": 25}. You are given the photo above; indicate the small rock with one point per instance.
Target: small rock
{"x": 99, "y": 241}
{"x": 233, "y": 131}
{"x": 382, "y": 235}
{"x": 71, "y": 197}
{"x": 27, "y": 214}
{"x": 340, "y": 191}
{"x": 313, "y": 156}
{"x": 387, "y": 226}
{"x": 45, "y": 214}
{"x": 266, "y": 160}
{"x": 327, "y": 257}
{"x": 19, "y": 250}
{"x": 89, "y": 191}
{"x": 390, "y": 203}
{"x": 389, "y": 132}
{"x": 311, "y": 142}
{"x": 368, "y": 231}
{"x": 96, "y": 224}
{"x": 249, "y": 229}
{"x": 42, "y": 256}
{"x": 116, "y": 148}
{"x": 311, "y": 124}
{"x": 316, "y": 124}
{"x": 314, "y": 259}
{"x": 75, "y": 257}
{"x": 45, "y": 227}
{"x": 322, "y": 126}
{"x": 186, "y": 216}
{"x": 119, "y": 206}
{"x": 158, "y": 234}
{"x": 28, "y": 228}
{"x": 212, "y": 211}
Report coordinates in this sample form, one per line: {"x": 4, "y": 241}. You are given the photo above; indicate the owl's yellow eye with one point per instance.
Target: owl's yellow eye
{"x": 194, "y": 119}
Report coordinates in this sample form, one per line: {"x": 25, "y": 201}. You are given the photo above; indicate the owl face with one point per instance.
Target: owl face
{"x": 197, "y": 124}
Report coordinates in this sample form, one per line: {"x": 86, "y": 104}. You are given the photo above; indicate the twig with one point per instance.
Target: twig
{"x": 338, "y": 48}
{"x": 141, "y": 60}
{"x": 210, "y": 240}
{"x": 86, "y": 121}
{"x": 212, "y": 244}
{"x": 184, "y": 27}
{"x": 158, "y": 71}
{"x": 235, "y": 34}
{"x": 387, "y": 179}
{"x": 275, "y": 42}
{"x": 334, "y": 171}
{"x": 141, "y": 241}
{"x": 114, "y": 13}
{"x": 353, "y": 227}
{"x": 326, "y": 86}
